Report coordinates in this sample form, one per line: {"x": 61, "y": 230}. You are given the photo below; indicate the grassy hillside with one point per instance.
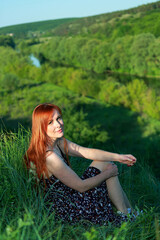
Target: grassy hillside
{"x": 116, "y": 24}
{"x": 110, "y": 25}
{"x": 21, "y": 30}
{"x": 24, "y": 215}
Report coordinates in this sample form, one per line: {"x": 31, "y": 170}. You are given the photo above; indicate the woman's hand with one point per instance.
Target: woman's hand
{"x": 128, "y": 159}
{"x": 111, "y": 170}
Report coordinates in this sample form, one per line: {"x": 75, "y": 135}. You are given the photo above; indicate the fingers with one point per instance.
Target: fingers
{"x": 132, "y": 160}
{"x": 131, "y": 157}
{"x": 128, "y": 159}
{"x": 113, "y": 169}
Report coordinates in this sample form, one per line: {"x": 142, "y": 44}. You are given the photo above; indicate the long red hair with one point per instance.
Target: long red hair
{"x": 36, "y": 152}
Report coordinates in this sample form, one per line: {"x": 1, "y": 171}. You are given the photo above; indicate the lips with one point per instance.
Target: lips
{"x": 60, "y": 130}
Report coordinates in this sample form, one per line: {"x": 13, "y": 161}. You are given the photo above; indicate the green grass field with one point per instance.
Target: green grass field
{"x": 24, "y": 215}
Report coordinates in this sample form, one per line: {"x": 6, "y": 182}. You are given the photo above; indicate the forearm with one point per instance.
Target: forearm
{"x": 100, "y": 155}
{"x": 90, "y": 153}
{"x": 95, "y": 181}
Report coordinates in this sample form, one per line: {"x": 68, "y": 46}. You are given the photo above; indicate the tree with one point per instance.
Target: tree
{"x": 10, "y": 82}
{"x": 7, "y": 41}
{"x": 140, "y": 52}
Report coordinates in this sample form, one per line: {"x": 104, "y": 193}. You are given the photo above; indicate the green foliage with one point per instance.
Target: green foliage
{"x": 28, "y": 29}
{"x": 126, "y": 230}
{"x": 110, "y": 91}
{"x": 7, "y": 41}
{"x": 139, "y": 51}
{"x": 134, "y": 55}
{"x": 22, "y": 67}
{"x": 23, "y": 48}
{"x": 78, "y": 129}
{"x": 10, "y": 82}
{"x": 134, "y": 95}
{"x": 118, "y": 234}
{"x": 92, "y": 235}
{"x": 13, "y": 233}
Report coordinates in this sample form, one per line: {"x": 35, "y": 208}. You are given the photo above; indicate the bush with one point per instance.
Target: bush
{"x": 7, "y": 41}
{"x": 10, "y": 82}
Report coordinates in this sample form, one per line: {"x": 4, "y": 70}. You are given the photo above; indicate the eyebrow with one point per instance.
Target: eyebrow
{"x": 59, "y": 115}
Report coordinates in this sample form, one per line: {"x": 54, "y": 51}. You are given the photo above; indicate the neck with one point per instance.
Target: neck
{"x": 53, "y": 144}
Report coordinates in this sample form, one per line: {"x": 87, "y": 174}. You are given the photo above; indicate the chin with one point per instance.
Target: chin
{"x": 61, "y": 134}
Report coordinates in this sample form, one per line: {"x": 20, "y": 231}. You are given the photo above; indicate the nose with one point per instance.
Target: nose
{"x": 59, "y": 123}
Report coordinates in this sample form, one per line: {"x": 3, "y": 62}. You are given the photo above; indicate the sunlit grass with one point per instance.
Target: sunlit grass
{"x": 24, "y": 215}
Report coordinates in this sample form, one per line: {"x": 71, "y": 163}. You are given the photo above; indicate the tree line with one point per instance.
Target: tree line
{"x": 130, "y": 54}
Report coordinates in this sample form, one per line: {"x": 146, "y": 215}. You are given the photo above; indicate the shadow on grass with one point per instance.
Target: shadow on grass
{"x": 8, "y": 124}
{"x": 125, "y": 133}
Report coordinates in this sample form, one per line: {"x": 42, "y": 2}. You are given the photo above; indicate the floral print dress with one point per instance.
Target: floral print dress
{"x": 72, "y": 206}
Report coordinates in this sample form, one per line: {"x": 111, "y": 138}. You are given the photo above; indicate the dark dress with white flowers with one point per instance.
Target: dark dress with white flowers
{"x": 72, "y": 206}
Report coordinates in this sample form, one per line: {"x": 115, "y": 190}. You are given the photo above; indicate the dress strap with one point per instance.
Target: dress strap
{"x": 62, "y": 153}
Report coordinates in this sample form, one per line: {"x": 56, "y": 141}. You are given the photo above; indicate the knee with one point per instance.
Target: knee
{"x": 102, "y": 166}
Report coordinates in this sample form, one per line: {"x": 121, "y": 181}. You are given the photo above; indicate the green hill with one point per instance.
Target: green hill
{"x": 116, "y": 24}
{"x": 110, "y": 25}
{"x": 21, "y": 30}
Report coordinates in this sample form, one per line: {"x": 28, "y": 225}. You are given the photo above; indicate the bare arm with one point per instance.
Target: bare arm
{"x": 97, "y": 154}
{"x": 66, "y": 175}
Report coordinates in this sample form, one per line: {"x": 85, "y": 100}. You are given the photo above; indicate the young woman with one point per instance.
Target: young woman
{"x": 73, "y": 198}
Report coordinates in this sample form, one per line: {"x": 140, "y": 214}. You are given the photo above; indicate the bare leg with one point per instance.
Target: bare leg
{"x": 115, "y": 191}
{"x": 117, "y": 195}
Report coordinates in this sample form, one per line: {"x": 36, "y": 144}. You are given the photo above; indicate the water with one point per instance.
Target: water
{"x": 123, "y": 78}
{"x": 35, "y": 61}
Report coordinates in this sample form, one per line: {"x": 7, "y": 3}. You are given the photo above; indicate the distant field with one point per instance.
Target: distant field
{"x": 22, "y": 29}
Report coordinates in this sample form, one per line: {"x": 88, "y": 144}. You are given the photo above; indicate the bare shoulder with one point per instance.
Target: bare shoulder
{"x": 54, "y": 163}
{"x": 53, "y": 159}
{"x": 74, "y": 149}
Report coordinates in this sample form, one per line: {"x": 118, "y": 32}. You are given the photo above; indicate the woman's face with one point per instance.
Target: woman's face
{"x": 55, "y": 126}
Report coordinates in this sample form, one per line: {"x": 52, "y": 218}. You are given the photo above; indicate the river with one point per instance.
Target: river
{"x": 151, "y": 82}
{"x": 35, "y": 60}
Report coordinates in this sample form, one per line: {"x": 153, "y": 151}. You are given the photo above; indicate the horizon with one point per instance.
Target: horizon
{"x": 93, "y": 8}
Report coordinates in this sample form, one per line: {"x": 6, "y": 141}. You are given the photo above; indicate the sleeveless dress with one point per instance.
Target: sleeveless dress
{"x": 72, "y": 206}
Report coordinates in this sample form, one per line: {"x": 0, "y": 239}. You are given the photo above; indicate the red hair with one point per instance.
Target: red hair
{"x": 36, "y": 152}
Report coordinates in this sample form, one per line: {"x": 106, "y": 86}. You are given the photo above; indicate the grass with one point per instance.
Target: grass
{"x": 23, "y": 212}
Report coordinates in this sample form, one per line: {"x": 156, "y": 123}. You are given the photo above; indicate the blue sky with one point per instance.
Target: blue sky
{"x": 22, "y": 11}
